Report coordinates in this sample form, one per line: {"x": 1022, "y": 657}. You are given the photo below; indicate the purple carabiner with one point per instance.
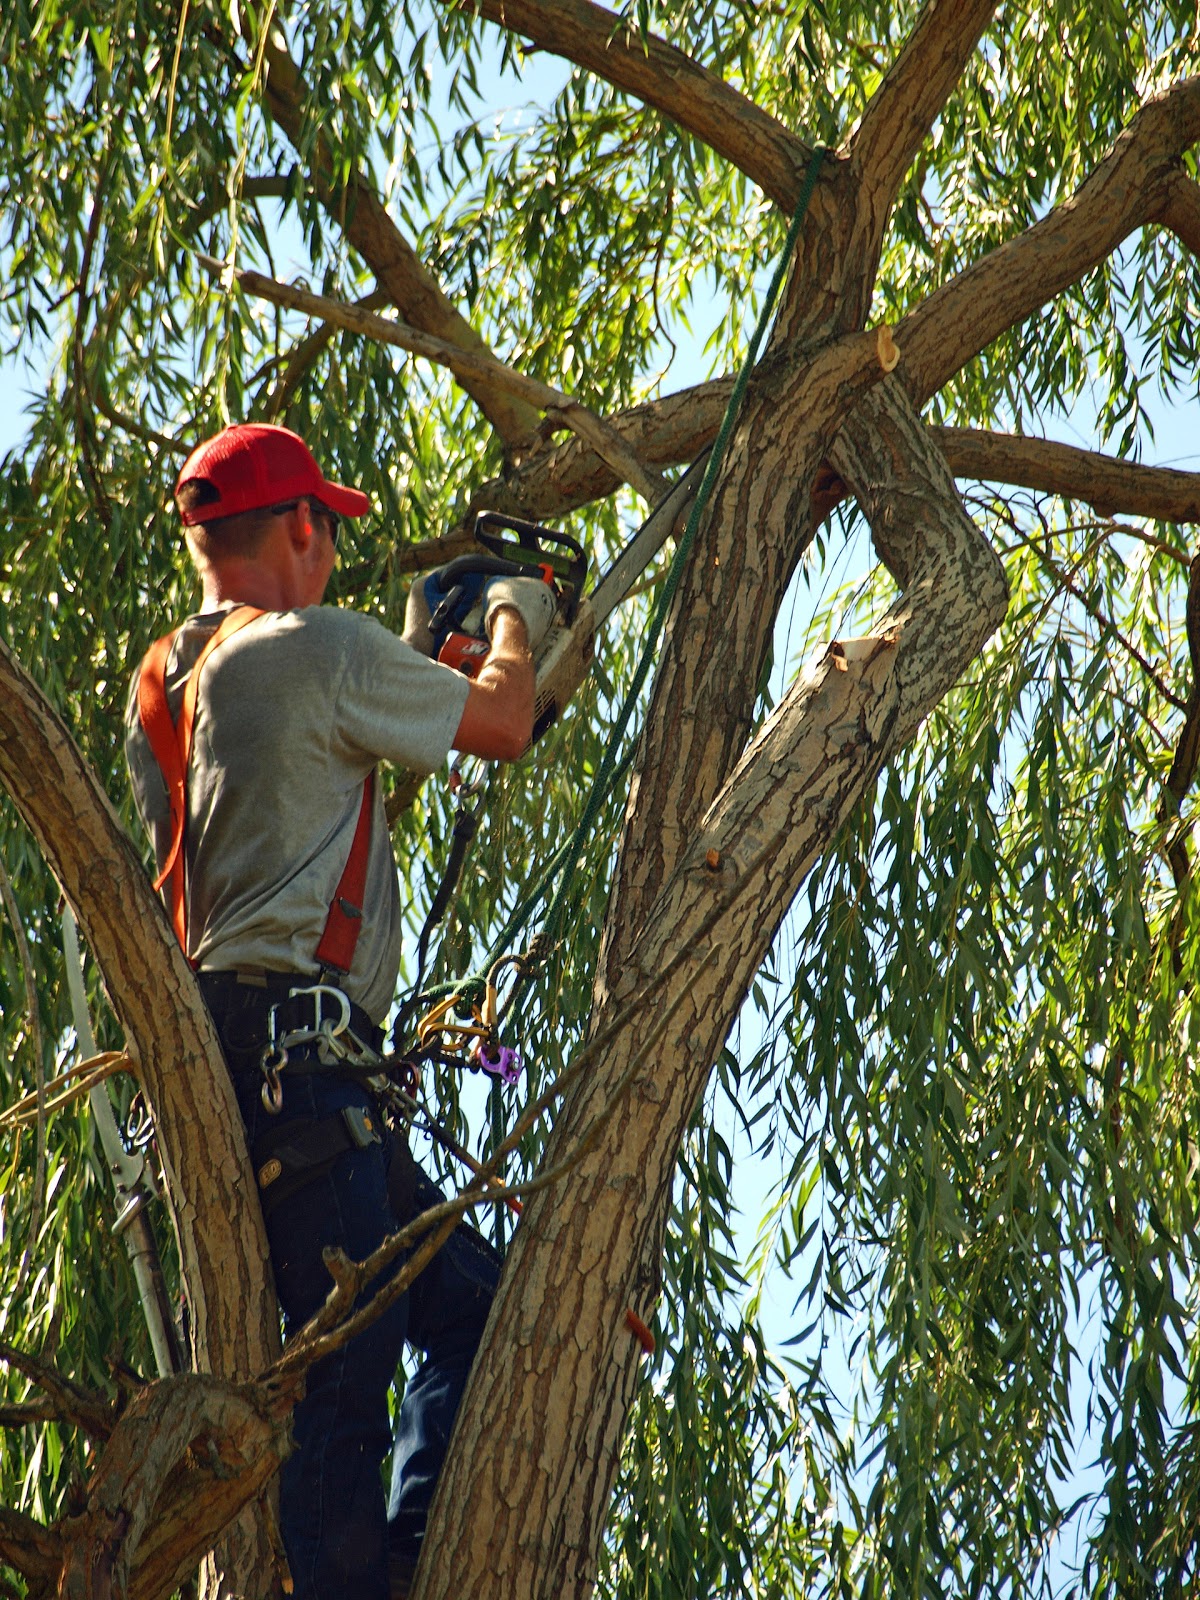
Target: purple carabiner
{"x": 506, "y": 1065}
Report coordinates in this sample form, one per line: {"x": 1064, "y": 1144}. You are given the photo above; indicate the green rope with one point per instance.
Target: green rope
{"x": 567, "y": 860}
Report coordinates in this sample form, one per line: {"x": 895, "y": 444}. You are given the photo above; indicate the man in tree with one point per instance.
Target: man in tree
{"x": 253, "y": 733}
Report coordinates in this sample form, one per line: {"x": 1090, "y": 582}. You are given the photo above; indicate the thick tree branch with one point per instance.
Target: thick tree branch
{"x": 1113, "y": 488}
{"x": 907, "y": 103}
{"x": 663, "y": 77}
{"x": 30, "y": 1549}
{"x": 1128, "y": 188}
{"x": 170, "y": 1038}
{"x": 356, "y": 208}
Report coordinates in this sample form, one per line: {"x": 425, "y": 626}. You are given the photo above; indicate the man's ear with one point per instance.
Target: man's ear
{"x": 300, "y": 529}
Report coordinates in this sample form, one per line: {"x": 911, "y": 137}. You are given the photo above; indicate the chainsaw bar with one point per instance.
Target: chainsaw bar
{"x": 564, "y": 657}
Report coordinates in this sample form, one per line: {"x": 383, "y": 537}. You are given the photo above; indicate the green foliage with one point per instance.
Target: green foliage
{"x": 965, "y": 1072}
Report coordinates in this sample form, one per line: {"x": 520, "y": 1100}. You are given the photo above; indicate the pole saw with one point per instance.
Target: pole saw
{"x": 132, "y": 1179}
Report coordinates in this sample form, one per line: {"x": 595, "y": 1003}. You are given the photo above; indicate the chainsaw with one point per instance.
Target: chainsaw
{"x": 545, "y": 554}
{"x": 564, "y": 656}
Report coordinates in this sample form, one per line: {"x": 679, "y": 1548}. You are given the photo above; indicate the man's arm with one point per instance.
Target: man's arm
{"x": 497, "y": 721}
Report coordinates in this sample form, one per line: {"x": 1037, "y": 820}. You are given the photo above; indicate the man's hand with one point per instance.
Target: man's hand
{"x": 533, "y": 600}
{"x": 497, "y": 721}
{"x": 530, "y": 598}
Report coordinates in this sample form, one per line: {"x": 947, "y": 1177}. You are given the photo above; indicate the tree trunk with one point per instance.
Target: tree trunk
{"x": 549, "y": 1395}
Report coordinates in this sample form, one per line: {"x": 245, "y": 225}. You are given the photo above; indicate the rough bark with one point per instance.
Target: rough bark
{"x": 181, "y": 1457}
{"x": 1180, "y": 210}
{"x": 547, "y": 1402}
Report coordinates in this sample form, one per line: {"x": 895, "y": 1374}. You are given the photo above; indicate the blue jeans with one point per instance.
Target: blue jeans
{"x": 336, "y": 1523}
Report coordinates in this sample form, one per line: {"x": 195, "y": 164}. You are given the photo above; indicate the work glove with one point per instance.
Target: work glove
{"x": 416, "y": 620}
{"x": 531, "y": 598}
{"x": 426, "y": 595}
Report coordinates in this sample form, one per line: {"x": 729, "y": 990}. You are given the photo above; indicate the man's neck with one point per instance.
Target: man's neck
{"x": 242, "y": 583}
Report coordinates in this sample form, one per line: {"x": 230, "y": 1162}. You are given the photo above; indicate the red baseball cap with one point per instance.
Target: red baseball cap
{"x": 253, "y": 465}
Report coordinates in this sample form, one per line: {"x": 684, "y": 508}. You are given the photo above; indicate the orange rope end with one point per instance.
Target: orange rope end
{"x": 640, "y": 1331}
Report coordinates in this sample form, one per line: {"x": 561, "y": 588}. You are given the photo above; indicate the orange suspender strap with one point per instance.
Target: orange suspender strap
{"x": 344, "y": 922}
{"x": 171, "y": 745}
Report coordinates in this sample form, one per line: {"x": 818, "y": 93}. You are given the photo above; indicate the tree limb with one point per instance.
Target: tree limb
{"x": 214, "y": 1202}
{"x": 1128, "y": 188}
{"x": 30, "y": 1549}
{"x": 94, "y": 1414}
{"x": 908, "y": 101}
{"x": 479, "y": 366}
{"x": 664, "y": 77}
{"x": 358, "y": 211}
{"x": 1112, "y": 487}
{"x": 1180, "y": 211}
{"x": 305, "y": 355}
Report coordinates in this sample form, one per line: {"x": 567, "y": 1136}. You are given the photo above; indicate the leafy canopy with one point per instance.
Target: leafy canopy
{"x": 965, "y": 1072}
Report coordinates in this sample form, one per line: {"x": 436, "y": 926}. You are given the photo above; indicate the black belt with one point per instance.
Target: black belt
{"x": 241, "y": 1004}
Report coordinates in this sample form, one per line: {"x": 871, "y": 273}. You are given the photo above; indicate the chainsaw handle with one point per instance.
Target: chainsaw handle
{"x": 530, "y": 534}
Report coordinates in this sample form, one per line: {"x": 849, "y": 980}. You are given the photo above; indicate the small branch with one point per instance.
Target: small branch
{"x": 137, "y": 429}
{"x": 36, "y": 1044}
{"x": 1128, "y": 188}
{"x": 28, "y": 1412}
{"x": 84, "y": 1077}
{"x": 1107, "y": 626}
{"x": 81, "y": 1408}
{"x": 84, "y": 429}
{"x": 649, "y": 69}
{"x": 266, "y": 187}
{"x": 1187, "y": 749}
{"x": 305, "y": 356}
{"x": 467, "y": 366}
{"x": 910, "y": 98}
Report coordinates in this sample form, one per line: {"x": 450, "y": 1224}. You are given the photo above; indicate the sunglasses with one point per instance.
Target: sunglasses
{"x": 331, "y": 518}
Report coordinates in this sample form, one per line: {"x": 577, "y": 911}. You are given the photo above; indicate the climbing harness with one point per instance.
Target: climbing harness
{"x": 335, "y": 1039}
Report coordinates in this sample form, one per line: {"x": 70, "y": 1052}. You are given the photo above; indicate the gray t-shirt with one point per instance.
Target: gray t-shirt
{"x": 292, "y": 713}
